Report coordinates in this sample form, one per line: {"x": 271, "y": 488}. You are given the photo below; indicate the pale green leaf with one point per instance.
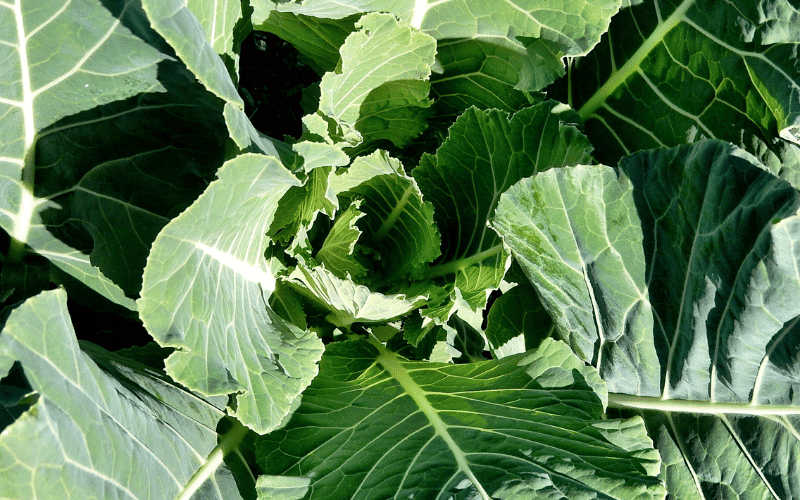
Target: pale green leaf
{"x": 102, "y": 426}
{"x": 398, "y": 227}
{"x": 667, "y": 73}
{"x": 198, "y": 44}
{"x": 373, "y": 425}
{"x": 336, "y": 252}
{"x": 365, "y": 66}
{"x": 576, "y": 235}
{"x": 348, "y": 302}
{"x": 205, "y": 290}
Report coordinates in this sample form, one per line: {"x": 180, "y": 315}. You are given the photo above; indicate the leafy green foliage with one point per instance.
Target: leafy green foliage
{"x": 431, "y": 288}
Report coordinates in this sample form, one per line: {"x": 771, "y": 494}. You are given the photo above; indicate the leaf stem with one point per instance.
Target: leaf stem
{"x": 390, "y": 362}
{"x": 227, "y": 443}
{"x": 702, "y": 407}
{"x": 632, "y": 65}
{"x": 455, "y": 266}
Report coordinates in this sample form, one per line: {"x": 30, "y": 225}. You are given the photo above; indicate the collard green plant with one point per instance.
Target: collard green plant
{"x": 518, "y": 251}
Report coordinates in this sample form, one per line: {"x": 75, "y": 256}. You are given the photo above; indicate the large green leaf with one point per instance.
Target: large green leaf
{"x": 667, "y": 72}
{"x": 712, "y": 289}
{"x": 104, "y": 427}
{"x": 205, "y": 289}
{"x": 373, "y": 425}
{"x": 576, "y": 235}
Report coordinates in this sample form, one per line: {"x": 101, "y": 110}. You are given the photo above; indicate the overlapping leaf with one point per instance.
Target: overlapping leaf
{"x": 365, "y": 66}
{"x": 348, "y": 302}
{"x": 197, "y": 42}
{"x": 485, "y": 153}
{"x": 719, "y": 272}
{"x": 373, "y": 425}
{"x": 205, "y": 290}
{"x": 59, "y": 66}
{"x": 119, "y": 431}
{"x": 487, "y": 57}
{"x": 669, "y": 72}
{"x": 398, "y": 228}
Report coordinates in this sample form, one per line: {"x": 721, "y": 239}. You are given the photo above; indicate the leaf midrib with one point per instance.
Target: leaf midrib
{"x": 632, "y": 65}
{"x": 390, "y": 362}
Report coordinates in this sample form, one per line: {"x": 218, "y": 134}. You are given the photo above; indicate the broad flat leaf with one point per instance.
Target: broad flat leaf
{"x": 373, "y": 425}
{"x": 667, "y": 72}
{"x": 365, "y": 66}
{"x": 576, "y": 235}
{"x": 197, "y": 43}
{"x": 205, "y": 290}
{"x": 486, "y": 58}
{"x": 346, "y": 301}
{"x": 102, "y": 429}
{"x": 485, "y": 153}
{"x": 398, "y": 226}
{"x": 720, "y": 272}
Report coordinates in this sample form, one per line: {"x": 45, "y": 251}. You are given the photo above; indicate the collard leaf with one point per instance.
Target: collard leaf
{"x": 205, "y": 290}
{"x": 398, "y": 227}
{"x": 346, "y": 301}
{"x": 120, "y": 172}
{"x": 484, "y": 154}
{"x": 318, "y": 39}
{"x": 486, "y": 59}
{"x": 365, "y": 66}
{"x": 569, "y": 229}
{"x": 106, "y": 428}
{"x": 197, "y": 43}
{"x": 373, "y": 425}
{"x": 719, "y": 271}
{"x": 671, "y": 72}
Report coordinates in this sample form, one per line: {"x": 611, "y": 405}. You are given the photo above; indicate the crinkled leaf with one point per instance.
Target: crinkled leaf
{"x": 668, "y": 72}
{"x": 484, "y": 154}
{"x": 336, "y": 252}
{"x": 365, "y": 66}
{"x": 398, "y": 226}
{"x": 205, "y": 290}
{"x": 718, "y": 268}
{"x": 346, "y": 301}
{"x": 102, "y": 426}
{"x": 373, "y": 425}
